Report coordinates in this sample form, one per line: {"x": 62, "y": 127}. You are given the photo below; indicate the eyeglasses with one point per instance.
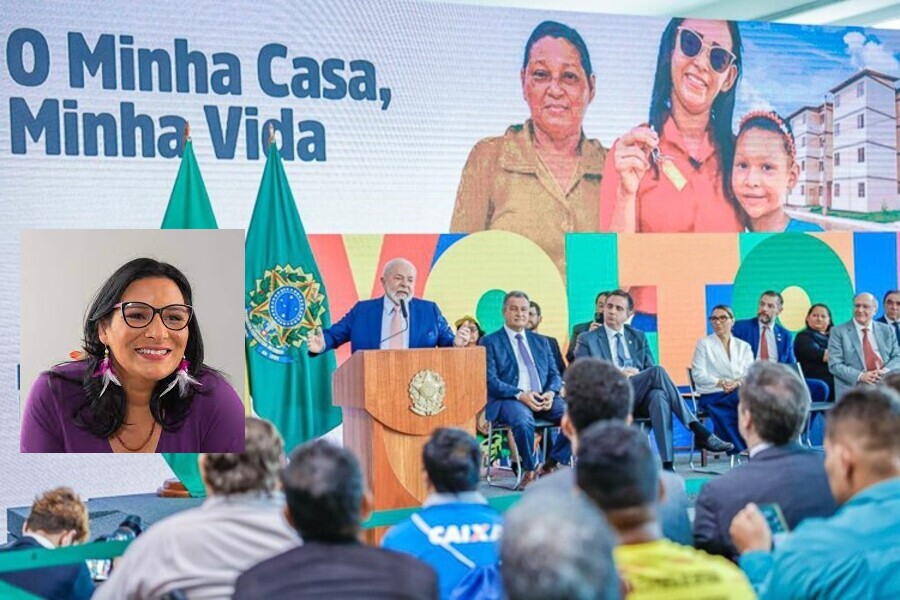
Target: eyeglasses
{"x": 719, "y": 319}
{"x": 690, "y": 43}
{"x": 139, "y": 314}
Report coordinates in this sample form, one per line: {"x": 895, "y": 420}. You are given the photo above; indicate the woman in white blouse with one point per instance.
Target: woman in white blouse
{"x": 718, "y": 368}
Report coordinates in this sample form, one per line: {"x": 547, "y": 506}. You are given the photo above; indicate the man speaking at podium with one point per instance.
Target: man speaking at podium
{"x": 395, "y": 321}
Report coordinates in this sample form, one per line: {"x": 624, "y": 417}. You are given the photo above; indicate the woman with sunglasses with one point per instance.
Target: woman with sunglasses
{"x": 668, "y": 176}
{"x": 719, "y": 365}
{"x": 140, "y": 385}
{"x": 540, "y": 179}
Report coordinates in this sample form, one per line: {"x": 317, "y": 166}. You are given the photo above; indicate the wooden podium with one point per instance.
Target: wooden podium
{"x": 392, "y": 400}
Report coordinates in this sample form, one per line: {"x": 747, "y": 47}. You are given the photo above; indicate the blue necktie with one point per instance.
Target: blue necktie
{"x": 896, "y": 325}
{"x": 529, "y": 364}
{"x": 620, "y": 353}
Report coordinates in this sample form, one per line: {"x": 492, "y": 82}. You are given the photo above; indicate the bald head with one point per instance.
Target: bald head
{"x": 398, "y": 279}
{"x": 864, "y": 308}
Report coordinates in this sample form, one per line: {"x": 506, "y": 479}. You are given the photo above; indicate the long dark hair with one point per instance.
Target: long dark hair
{"x": 722, "y": 110}
{"x": 104, "y": 415}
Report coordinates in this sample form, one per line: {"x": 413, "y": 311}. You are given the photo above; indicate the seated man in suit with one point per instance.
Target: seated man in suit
{"x": 891, "y": 314}
{"x": 327, "y": 503}
{"x": 654, "y": 393}
{"x": 599, "y": 303}
{"x": 862, "y": 350}
{"x": 392, "y": 322}
{"x": 771, "y": 413}
{"x": 523, "y": 384}
{"x": 769, "y": 340}
{"x": 534, "y": 321}
{"x": 597, "y": 391}
{"x": 58, "y": 518}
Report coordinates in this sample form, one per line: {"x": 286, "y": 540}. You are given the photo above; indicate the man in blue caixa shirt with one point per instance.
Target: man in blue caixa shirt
{"x": 456, "y": 531}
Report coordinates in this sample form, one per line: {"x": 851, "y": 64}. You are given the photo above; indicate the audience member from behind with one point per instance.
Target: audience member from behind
{"x": 771, "y": 413}
{"x": 201, "y": 551}
{"x": 327, "y": 503}
{"x": 58, "y": 518}
{"x": 456, "y": 531}
{"x": 617, "y": 470}
{"x": 597, "y": 391}
{"x": 557, "y": 547}
{"x": 855, "y": 553}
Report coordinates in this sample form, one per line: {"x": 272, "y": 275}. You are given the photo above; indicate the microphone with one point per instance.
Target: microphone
{"x": 404, "y": 311}
{"x": 695, "y": 163}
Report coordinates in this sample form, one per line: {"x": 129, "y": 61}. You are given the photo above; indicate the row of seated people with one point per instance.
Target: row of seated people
{"x": 613, "y": 526}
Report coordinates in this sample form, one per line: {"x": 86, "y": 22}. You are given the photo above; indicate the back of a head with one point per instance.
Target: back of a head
{"x": 616, "y": 467}
{"x": 595, "y": 390}
{"x": 557, "y": 546}
{"x": 869, "y": 418}
{"x": 452, "y": 460}
{"x": 892, "y": 380}
{"x": 253, "y": 470}
{"x": 57, "y": 511}
{"x": 777, "y": 400}
{"x": 323, "y": 486}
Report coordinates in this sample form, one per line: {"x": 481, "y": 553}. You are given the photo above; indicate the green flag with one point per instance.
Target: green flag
{"x": 189, "y": 208}
{"x": 285, "y": 299}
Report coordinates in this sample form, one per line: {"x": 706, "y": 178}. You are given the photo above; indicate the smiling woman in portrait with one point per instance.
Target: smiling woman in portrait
{"x": 541, "y": 179}
{"x": 668, "y": 175}
{"x": 140, "y": 384}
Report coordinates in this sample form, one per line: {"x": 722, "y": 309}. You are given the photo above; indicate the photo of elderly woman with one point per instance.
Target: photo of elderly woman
{"x": 764, "y": 172}
{"x": 139, "y": 382}
{"x": 540, "y": 179}
{"x": 668, "y": 175}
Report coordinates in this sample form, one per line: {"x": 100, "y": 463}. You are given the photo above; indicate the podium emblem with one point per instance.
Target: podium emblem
{"x": 426, "y": 391}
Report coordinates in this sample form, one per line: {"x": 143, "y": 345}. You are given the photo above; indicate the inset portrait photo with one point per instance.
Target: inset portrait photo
{"x": 132, "y": 341}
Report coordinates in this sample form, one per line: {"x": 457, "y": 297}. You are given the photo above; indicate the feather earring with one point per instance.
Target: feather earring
{"x": 105, "y": 370}
{"x": 182, "y": 379}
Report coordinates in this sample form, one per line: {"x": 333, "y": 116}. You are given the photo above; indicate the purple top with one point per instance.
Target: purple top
{"x": 215, "y": 422}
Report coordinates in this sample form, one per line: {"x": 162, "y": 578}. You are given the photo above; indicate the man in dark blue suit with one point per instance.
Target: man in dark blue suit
{"x": 58, "y": 518}
{"x": 771, "y": 414}
{"x": 891, "y": 316}
{"x": 392, "y": 322}
{"x": 655, "y": 396}
{"x": 769, "y": 340}
{"x": 523, "y": 384}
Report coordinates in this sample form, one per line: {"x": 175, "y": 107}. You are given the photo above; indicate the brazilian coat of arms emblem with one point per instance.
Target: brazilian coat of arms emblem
{"x": 284, "y": 306}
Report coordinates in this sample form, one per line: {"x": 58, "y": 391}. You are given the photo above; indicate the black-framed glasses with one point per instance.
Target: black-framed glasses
{"x": 691, "y": 43}
{"x": 719, "y": 318}
{"x": 139, "y": 314}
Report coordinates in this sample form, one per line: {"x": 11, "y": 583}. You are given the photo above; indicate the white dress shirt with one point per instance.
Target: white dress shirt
{"x": 770, "y": 337}
{"x": 524, "y": 382}
{"x": 386, "y": 316}
{"x": 872, "y": 338}
{"x": 611, "y": 337}
{"x": 711, "y": 363}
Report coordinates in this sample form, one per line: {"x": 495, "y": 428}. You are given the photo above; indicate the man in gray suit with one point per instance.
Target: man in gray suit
{"x": 771, "y": 413}
{"x": 654, "y": 393}
{"x": 597, "y": 391}
{"x": 862, "y": 350}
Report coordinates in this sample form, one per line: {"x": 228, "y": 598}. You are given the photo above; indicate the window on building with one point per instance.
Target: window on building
{"x": 837, "y": 159}
{"x": 837, "y": 190}
{"x": 821, "y": 166}
{"x": 837, "y": 100}
{"x": 803, "y": 141}
{"x": 803, "y": 118}
{"x": 802, "y": 190}
{"x": 860, "y": 121}
{"x": 837, "y": 129}
{"x": 802, "y": 166}
{"x": 861, "y": 154}
{"x": 860, "y": 89}
{"x": 861, "y": 189}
